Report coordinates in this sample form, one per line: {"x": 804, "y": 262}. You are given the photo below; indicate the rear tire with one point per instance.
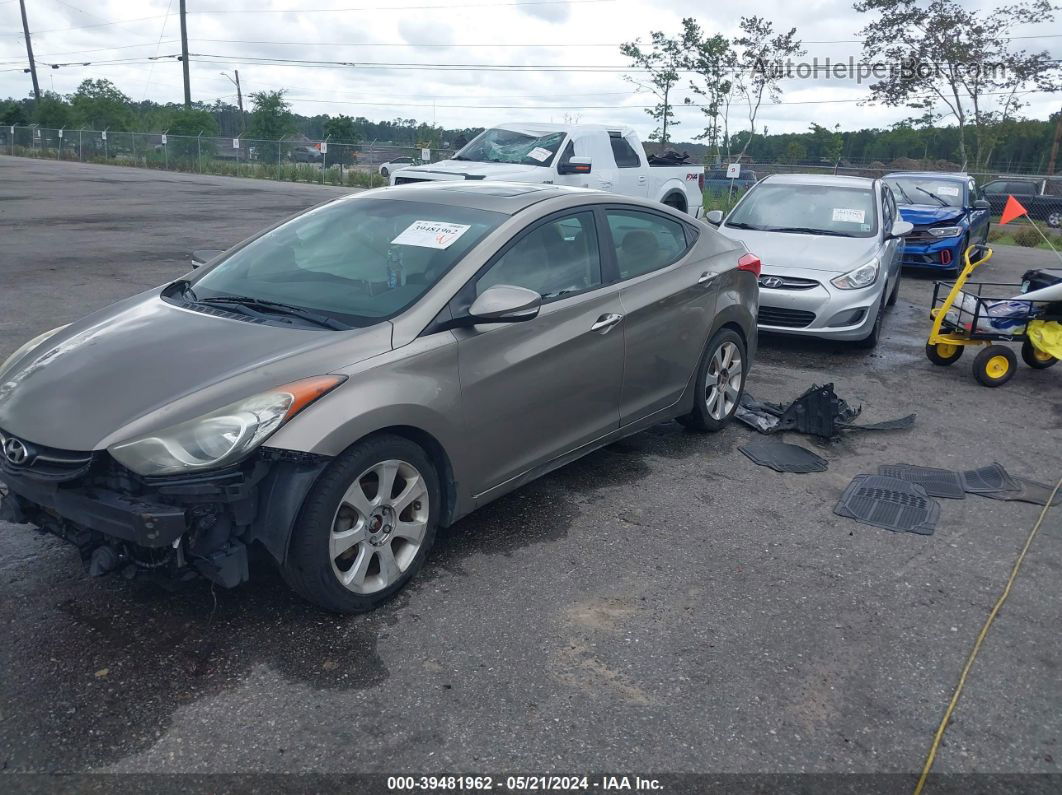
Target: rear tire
{"x": 942, "y": 354}
{"x": 385, "y": 172}
{"x": 354, "y": 546}
{"x": 995, "y": 365}
{"x": 1036, "y": 359}
{"x": 719, "y": 384}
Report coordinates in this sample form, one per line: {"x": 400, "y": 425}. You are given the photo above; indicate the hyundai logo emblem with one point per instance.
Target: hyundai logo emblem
{"x": 771, "y": 282}
{"x": 16, "y": 452}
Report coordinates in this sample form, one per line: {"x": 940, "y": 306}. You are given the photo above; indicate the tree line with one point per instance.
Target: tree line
{"x": 943, "y": 62}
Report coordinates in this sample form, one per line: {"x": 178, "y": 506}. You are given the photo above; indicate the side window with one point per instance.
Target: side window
{"x": 554, "y": 259}
{"x": 624, "y": 153}
{"x": 998, "y": 186}
{"x": 886, "y": 211}
{"x": 644, "y": 242}
{"x": 1021, "y": 188}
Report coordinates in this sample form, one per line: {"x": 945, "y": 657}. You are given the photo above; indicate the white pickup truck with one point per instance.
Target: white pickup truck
{"x": 583, "y": 155}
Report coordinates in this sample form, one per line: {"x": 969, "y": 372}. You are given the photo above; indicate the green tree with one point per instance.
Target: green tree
{"x": 712, "y": 59}
{"x": 13, "y": 112}
{"x": 341, "y": 129}
{"x": 758, "y": 50}
{"x": 827, "y": 144}
{"x": 661, "y": 61}
{"x": 99, "y": 105}
{"x": 53, "y": 111}
{"x": 964, "y": 59}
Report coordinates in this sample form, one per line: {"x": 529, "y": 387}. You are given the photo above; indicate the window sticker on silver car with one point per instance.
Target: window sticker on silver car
{"x": 430, "y": 234}
{"x": 849, "y": 216}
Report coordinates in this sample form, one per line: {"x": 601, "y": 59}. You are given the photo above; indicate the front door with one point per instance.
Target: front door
{"x": 534, "y": 390}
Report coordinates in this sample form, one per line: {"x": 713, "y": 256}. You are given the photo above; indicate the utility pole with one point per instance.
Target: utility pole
{"x": 184, "y": 55}
{"x": 239, "y": 98}
{"x": 29, "y": 53}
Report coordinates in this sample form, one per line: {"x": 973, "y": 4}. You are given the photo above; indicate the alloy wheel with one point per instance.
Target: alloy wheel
{"x": 379, "y": 526}
{"x": 723, "y": 381}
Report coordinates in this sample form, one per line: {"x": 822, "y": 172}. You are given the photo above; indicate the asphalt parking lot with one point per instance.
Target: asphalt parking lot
{"x": 661, "y": 605}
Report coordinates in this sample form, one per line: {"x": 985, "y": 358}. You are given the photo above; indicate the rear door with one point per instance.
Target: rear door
{"x": 668, "y": 296}
{"x": 535, "y": 390}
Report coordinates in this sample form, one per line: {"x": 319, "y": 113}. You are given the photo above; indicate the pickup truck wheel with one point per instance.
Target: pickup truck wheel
{"x": 1054, "y": 218}
{"x": 676, "y": 201}
{"x": 720, "y": 383}
{"x": 366, "y": 527}
{"x": 384, "y": 172}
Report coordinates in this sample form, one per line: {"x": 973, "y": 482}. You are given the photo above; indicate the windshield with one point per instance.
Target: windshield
{"x": 926, "y": 190}
{"x": 808, "y": 209}
{"x": 356, "y": 261}
{"x": 509, "y": 146}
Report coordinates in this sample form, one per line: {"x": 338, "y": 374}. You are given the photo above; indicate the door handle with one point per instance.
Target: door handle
{"x": 704, "y": 278}
{"x": 605, "y": 323}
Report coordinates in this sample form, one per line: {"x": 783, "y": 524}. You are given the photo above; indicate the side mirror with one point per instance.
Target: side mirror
{"x": 715, "y": 217}
{"x": 901, "y": 229}
{"x": 504, "y": 303}
{"x": 202, "y": 256}
{"x": 982, "y": 204}
{"x": 576, "y": 165}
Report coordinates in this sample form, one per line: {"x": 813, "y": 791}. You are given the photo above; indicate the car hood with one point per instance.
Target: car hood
{"x": 144, "y": 364}
{"x": 778, "y": 250}
{"x": 458, "y": 169}
{"x": 926, "y": 214}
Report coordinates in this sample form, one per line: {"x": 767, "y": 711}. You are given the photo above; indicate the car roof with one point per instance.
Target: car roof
{"x": 952, "y": 175}
{"x": 496, "y": 196}
{"x": 829, "y": 180}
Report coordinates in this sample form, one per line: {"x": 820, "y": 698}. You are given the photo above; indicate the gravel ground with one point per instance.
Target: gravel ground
{"x": 660, "y": 605}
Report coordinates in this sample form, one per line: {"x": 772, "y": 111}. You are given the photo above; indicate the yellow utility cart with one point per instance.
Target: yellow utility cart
{"x": 984, "y": 314}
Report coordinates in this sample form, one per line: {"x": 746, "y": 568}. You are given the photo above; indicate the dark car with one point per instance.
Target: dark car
{"x": 717, "y": 182}
{"x": 1041, "y": 197}
{"x": 948, "y": 213}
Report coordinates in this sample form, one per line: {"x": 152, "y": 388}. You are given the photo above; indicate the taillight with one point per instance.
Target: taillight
{"x": 700, "y": 181}
{"x": 750, "y": 263}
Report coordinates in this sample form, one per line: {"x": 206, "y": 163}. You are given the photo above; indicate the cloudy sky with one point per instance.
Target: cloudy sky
{"x": 557, "y": 43}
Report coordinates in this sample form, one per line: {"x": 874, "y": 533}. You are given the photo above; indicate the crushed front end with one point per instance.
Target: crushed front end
{"x": 179, "y": 527}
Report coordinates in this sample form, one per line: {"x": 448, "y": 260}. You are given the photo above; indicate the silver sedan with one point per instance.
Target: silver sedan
{"x": 831, "y": 248}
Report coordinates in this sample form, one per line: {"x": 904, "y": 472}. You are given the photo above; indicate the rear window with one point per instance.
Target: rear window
{"x": 624, "y": 153}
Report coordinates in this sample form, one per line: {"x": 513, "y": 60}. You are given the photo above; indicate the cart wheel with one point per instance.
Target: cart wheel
{"x": 995, "y": 365}
{"x": 1035, "y": 358}
{"x": 943, "y": 353}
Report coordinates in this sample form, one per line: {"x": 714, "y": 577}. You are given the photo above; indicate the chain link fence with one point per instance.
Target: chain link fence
{"x": 295, "y": 159}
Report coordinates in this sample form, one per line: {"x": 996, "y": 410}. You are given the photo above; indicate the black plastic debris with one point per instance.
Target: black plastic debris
{"x": 1027, "y": 491}
{"x": 818, "y": 412}
{"x": 936, "y": 482}
{"x": 992, "y": 478}
{"x": 783, "y": 457}
{"x": 889, "y": 503}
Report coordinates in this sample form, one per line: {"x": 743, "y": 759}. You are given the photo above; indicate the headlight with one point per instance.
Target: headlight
{"x": 945, "y": 231}
{"x": 224, "y": 436}
{"x": 33, "y": 343}
{"x": 863, "y": 276}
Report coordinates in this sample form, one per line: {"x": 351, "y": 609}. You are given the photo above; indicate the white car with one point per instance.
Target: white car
{"x": 386, "y": 169}
{"x": 580, "y": 155}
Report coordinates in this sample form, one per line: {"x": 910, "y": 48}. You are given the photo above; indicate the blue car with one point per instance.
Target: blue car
{"x": 948, "y": 212}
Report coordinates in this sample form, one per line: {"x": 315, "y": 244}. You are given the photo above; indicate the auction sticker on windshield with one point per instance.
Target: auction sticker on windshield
{"x": 430, "y": 234}
{"x": 849, "y": 216}
{"x": 539, "y": 154}
{"x": 947, "y": 190}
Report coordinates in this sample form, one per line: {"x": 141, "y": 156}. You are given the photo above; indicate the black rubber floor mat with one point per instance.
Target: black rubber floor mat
{"x": 990, "y": 478}
{"x": 936, "y": 482}
{"x": 890, "y": 503}
{"x": 783, "y": 457}
{"x": 1028, "y": 491}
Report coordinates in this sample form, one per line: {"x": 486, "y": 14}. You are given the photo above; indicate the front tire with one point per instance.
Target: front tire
{"x": 385, "y": 172}
{"x": 872, "y": 339}
{"x": 995, "y": 365}
{"x": 366, "y": 526}
{"x": 944, "y": 353}
{"x": 719, "y": 384}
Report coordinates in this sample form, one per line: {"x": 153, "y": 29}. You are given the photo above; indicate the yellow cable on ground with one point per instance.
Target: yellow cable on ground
{"x": 977, "y": 644}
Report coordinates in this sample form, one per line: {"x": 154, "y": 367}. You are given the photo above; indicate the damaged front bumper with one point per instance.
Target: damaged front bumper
{"x": 176, "y": 526}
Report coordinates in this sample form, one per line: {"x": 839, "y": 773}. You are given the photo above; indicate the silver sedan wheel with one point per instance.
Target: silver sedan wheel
{"x": 379, "y": 526}
{"x": 723, "y": 381}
